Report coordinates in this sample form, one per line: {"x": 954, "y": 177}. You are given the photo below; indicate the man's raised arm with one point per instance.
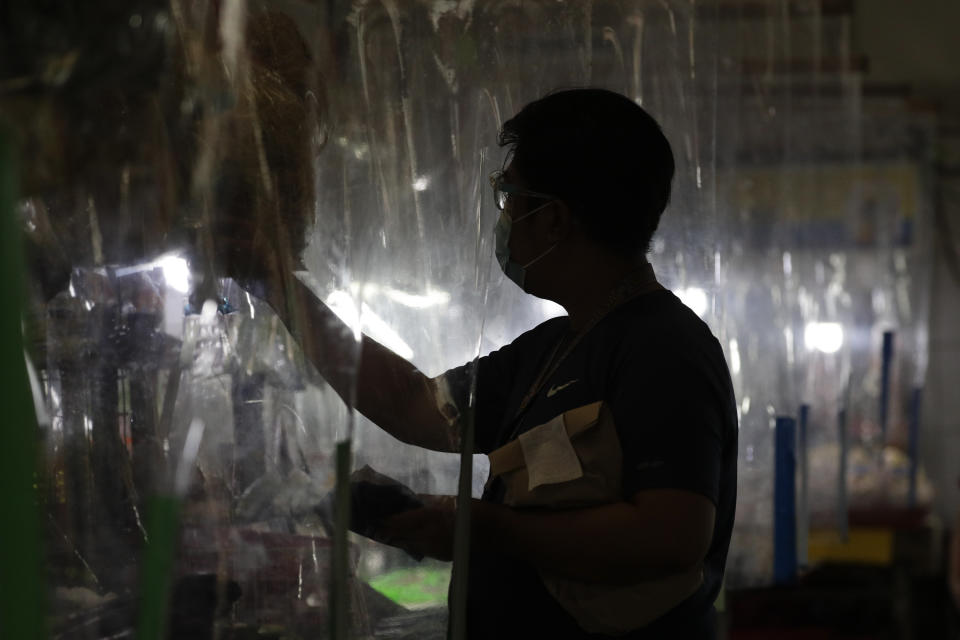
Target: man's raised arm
{"x": 391, "y": 392}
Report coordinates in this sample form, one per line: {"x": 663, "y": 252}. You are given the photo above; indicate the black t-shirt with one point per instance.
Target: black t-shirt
{"x": 663, "y": 375}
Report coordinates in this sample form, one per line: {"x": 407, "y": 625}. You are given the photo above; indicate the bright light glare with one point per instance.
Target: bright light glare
{"x": 823, "y": 336}
{"x": 175, "y": 272}
{"x": 191, "y": 448}
{"x": 735, "y": 356}
{"x": 551, "y": 309}
{"x": 431, "y": 298}
{"x": 341, "y": 303}
{"x": 695, "y": 298}
{"x": 383, "y": 333}
{"x": 421, "y": 183}
{"x": 208, "y": 312}
{"x": 366, "y": 320}
{"x": 418, "y": 301}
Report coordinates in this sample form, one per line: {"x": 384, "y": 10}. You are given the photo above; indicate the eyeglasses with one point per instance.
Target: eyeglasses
{"x": 503, "y": 190}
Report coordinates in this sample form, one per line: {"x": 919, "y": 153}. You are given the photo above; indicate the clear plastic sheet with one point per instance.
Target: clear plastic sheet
{"x": 167, "y": 141}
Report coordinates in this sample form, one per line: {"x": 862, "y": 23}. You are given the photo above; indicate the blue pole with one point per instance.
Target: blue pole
{"x": 885, "y": 384}
{"x": 803, "y": 510}
{"x": 784, "y": 502}
{"x": 913, "y": 437}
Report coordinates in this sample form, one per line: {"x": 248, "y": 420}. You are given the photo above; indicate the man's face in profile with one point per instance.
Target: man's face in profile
{"x": 523, "y": 233}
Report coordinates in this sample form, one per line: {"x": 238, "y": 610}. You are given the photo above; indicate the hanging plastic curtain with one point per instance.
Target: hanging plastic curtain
{"x": 178, "y": 149}
{"x": 173, "y": 151}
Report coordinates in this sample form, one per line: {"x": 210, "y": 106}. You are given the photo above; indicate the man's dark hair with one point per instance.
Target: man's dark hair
{"x": 600, "y": 153}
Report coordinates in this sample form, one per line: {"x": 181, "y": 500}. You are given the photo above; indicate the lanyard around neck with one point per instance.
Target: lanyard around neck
{"x": 636, "y": 284}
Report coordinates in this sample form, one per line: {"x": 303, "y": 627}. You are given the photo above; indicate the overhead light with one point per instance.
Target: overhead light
{"x": 176, "y": 273}
{"x": 826, "y": 337}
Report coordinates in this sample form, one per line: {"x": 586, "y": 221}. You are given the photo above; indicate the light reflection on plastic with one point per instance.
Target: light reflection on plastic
{"x": 826, "y": 337}
{"x": 36, "y": 390}
{"x": 734, "y": 356}
{"x": 191, "y": 448}
{"x": 788, "y": 343}
{"x": 695, "y": 298}
{"x": 432, "y": 298}
{"x": 341, "y": 303}
{"x": 383, "y": 333}
{"x": 54, "y": 399}
{"x": 208, "y": 312}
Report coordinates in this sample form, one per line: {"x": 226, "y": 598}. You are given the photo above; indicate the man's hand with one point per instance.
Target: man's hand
{"x": 427, "y": 531}
{"x": 660, "y": 533}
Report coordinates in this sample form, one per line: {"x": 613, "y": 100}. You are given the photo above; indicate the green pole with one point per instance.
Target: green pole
{"x": 340, "y": 553}
{"x": 461, "y": 538}
{"x": 157, "y": 566}
{"x": 21, "y": 573}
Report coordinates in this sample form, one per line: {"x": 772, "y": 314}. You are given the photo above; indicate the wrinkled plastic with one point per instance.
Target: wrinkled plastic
{"x": 166, "y": 143}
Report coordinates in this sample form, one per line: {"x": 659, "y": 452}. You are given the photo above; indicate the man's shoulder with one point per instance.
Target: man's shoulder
{"x": 659, "y": 322}
{"x": 547, "y": 331}
{"x": 524, "y": 347}
{"x": 660, "y": 341}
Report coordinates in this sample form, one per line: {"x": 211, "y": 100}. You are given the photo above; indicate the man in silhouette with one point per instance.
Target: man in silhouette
{"x": 611, "y": 430}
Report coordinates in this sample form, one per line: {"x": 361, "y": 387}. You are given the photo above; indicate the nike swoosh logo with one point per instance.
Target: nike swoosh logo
{"x": 560, "y": 387}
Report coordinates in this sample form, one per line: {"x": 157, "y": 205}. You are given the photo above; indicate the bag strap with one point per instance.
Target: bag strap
{"x": 637, "y": 283}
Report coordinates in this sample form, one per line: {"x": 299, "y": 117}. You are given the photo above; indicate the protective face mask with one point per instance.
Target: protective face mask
{"x": 501, "y": 235}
